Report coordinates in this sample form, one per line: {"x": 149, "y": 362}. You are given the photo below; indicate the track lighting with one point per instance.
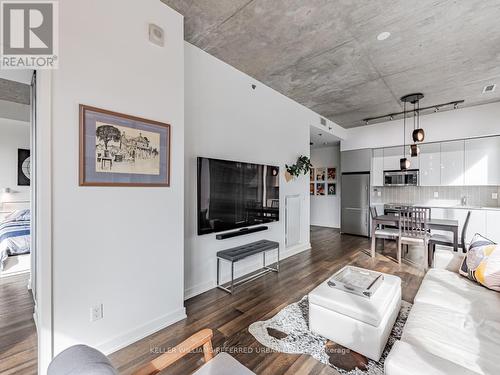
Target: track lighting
{"x": 414, "y": 150}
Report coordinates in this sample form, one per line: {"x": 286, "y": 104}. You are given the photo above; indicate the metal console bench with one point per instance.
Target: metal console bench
{"x": 238, "y": 253}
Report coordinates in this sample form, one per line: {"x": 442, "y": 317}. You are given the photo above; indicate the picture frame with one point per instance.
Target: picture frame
{"x": 311, "y": 188}
{"x": 320, "y": 174}
{"x": 123, "y": 150}
{"x": 311, "y": 174}
{"x": 320, "y": 188}
{"x": 331, "y": 174}
{"x": 332, "y": 189}
{"x": 23, "y": 167}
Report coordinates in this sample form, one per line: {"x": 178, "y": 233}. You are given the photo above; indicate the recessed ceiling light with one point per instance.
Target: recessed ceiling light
{"x": 489, "y": 88}
{"x": 383, "y": 35}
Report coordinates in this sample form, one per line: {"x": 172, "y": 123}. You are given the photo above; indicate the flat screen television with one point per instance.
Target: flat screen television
{"x": 234, "y": 194}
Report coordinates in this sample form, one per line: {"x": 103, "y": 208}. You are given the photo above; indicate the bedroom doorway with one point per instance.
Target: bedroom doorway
{"x": 18, "y": 335}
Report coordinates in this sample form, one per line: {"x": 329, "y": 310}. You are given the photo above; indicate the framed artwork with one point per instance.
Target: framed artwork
{"x": 331, "y": 174}
{"x": 320, "y": 188}
{"x": 332, "y": 189}
{"x": 122, "y": 150}
{"x": 311, "y": 174}
{"x": 23, "y": 167}
{"x": 320, "y": 174}
{"x": 311, "y": 188}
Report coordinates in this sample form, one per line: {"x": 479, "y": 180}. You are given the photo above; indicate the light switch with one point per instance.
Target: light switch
{"x": 494, "y": 195}
{"x": 436, "y": 194}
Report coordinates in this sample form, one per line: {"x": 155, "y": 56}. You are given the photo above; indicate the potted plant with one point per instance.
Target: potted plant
{"x": 302, "y": 166}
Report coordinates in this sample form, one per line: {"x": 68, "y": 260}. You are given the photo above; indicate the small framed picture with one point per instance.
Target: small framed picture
{"x": 311, "y": 188}
{"x": 320, "y": 174}
{"x": 332, "y": 189}
{"x": 311, "y": 174}
{"x": 331, "y": 174}
{"x": 320, "y": 188}
{"x": 122, "y": 150}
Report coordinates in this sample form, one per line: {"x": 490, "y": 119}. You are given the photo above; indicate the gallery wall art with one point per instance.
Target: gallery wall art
{"x": 323, "y": 181}
{"x": 123, "y": 150}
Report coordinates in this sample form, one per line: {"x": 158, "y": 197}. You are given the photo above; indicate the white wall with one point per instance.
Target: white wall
{"x": 325, "y": 210}
{"x": 13, "y": 135}
{"x": 226, "y": 119}
{"x": 118, "y": 246}
{"x": 456, "y": 124}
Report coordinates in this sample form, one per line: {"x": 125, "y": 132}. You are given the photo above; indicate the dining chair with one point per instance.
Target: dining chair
{"x": 381, "y": 233}
{"x": 447, "y": 240}
{"x": 414, "y": 230}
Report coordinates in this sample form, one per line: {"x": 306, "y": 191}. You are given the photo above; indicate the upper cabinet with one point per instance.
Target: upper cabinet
{"x": 392, "y": 156}
{"x": 377, "y": 177}
{"x": 452, "y": 163}
{"x": 356, "y": 160}
{"x": 482, "y": 160}
{"x": 430, "y": 164}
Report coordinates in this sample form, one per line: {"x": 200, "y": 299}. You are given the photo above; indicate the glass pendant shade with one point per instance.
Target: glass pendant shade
{"x": 414, "y": 150}
{"x": 418, "y": 135}
{"x": 404, "y": 164}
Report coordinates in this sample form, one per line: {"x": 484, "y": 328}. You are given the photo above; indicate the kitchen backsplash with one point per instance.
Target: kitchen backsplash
{"x": 477, "y": 196}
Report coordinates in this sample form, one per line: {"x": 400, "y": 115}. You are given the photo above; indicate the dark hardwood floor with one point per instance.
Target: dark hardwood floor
{"x": 230, "y": 315}
{"x": 18, "y": 341}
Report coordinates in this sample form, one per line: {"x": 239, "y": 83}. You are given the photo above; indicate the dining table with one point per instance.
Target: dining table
{"x": 446, "y": 225}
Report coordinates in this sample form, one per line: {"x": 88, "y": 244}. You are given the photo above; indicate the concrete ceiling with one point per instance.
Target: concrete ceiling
{"x": 325, "y": 54}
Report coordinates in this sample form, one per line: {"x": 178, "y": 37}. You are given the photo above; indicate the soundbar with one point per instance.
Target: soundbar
{"x": 241, "y": 232}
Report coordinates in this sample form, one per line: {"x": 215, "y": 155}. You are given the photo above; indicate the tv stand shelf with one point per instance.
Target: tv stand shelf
{"x": 241, "y": 232}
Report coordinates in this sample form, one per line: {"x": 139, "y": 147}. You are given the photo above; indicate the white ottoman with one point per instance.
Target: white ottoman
{"x": 360, "y": 324}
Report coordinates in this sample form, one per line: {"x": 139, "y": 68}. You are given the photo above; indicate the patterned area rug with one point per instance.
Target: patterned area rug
{"x": 288, "y": 332}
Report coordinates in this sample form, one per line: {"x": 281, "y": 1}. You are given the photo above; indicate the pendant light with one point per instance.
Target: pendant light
{"x": 404, "y": 162}
{"x": 414, "y": 149}
{"x": 418, "y": 134}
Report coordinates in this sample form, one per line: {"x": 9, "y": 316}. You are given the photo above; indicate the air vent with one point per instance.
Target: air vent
{"x": 489, "y": 88}
{"x": 322, "y": 121}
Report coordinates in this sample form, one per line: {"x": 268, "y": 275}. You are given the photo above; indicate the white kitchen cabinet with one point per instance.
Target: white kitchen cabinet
{"x": 493, "y": 225}
{"x": 452, "y": 163}
{"x": 482, "y": 161}
{"x": 392, "y": 156}
{"x": 377, "y": 177}
{"x": 430, "y": 164}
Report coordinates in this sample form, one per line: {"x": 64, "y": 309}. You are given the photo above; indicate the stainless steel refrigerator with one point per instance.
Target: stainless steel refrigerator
{"x": 355, "y": 203}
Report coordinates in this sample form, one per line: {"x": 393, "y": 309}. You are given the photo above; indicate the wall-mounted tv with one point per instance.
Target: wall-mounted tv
{"x": 234, "y": 194}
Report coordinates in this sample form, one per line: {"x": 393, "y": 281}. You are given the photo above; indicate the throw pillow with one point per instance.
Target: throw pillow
{"x": 482, "y": 263}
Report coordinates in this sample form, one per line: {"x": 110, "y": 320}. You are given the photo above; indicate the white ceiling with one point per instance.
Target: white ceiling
{"x": 321, "y": 138}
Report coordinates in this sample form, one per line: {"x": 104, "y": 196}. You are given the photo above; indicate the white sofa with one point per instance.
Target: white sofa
{"x": 453, "y": 327}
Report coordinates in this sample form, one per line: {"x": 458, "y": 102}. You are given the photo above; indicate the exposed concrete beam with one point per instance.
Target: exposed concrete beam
{"x": 14, "y": 92}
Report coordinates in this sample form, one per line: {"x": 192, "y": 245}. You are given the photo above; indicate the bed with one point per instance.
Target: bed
{"x": 15, "y": 243}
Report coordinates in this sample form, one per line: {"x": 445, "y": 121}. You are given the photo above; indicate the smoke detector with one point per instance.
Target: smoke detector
{"x": 489, "y": 88}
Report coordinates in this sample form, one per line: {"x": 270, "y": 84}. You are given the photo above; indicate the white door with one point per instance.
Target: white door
{"x": 482, "y": 161}
{"x": 452, "y": 163}
{"x": 377, "y": 177}
{"x": 430, "y": 164}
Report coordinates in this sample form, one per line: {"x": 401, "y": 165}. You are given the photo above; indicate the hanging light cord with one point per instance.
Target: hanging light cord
{"x": 404, "y": 130}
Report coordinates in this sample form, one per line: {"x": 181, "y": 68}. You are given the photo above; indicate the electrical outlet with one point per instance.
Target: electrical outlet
{"x": 96, "y": 313}
{"x": 436, "y": 194}
{"x": 379, "y": 193}
{"x": 494, "y": 195}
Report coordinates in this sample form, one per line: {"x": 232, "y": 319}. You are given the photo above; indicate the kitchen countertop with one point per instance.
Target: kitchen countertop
{"x": 446, "y": 206}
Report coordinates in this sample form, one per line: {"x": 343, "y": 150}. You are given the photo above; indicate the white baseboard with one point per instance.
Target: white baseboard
{"x": 198, "y": 289}
{"x": 206, "y": 286}
{"x": 141, "y": 332}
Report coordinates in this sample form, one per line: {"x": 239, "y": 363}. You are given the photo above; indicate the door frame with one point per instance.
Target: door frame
{"x": 43, "y": 227}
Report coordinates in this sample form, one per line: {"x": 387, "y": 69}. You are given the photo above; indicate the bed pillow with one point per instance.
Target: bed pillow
{"x": 19, "y": 215}
{"x": 482, "y": 263}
